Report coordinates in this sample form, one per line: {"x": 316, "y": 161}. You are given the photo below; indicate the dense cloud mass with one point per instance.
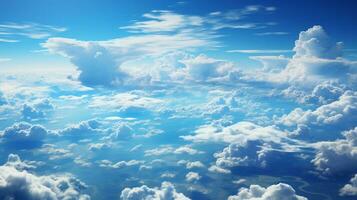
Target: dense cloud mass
{"x": 338, "y": 156}
{"x": 166, "y": 191}
{"x": 17, "y": 184}
{"x": 274, "y": 192}
{"x": 24, "y": 135}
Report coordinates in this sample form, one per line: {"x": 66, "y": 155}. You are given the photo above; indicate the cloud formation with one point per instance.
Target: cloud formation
{"x": 23, "y": 135}
{"x": 350, "y": 189}
{"x": 166, "y": 191}
{"x": 274, "y": 192}
{"x": 17, "y": 184}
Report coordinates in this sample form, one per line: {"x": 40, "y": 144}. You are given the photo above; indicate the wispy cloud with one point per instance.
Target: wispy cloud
{"x": 272, "y": 33}
{"x": 8, "y": 40}
{"x": 12, "y": 31}
{"x": 256, "y": 51}
{"x": 169, "y": 21}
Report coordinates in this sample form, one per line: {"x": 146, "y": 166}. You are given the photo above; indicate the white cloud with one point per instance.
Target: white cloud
{"x": 238, "y": 133}
{"x": 340, "y": 113}
{"x": 192, "y": 177}
{"x": 23, "y": 135}
{"x": 83, "y": 129}
{"x": 195, "y": 164}
{"x": 259, "y": 51}
{"x": 272, "y": 33}
{"x": 251, "y": 154}
{"x": 28, "y": 30}
{"x": 351, "y": 188}
{"x": 124, "y": 101}
{"x": 337, "y": 157}
{"x": 17, "y": 184}
{"x": 272, "y": 63}
{"x": 217, "y": 169}
{"x": 273, "y": 192}
{"x": 15, "y": 161}
{"x": 203, "y": 68}
{"x": 120, "y": 164}
{"x": 171, "y": 150}
{"x": 166, "y": 191}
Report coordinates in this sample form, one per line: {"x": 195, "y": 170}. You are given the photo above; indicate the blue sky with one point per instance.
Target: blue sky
{"x": 179, "y": 100}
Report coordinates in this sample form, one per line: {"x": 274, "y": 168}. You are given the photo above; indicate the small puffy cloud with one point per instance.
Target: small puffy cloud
{"x": 273, "y": 192}
{"x": 170, "y": 150}
{"x": 120, "y": 164}
{"x": 350, "y": 189}
{"x": 217, "y": 169}
{"x": 337, "y": 157}
{"x": 166, "y": 191}
{"x": 98, "y": 146}
{"x": 195, "y": 164}
{"x": 17, "y": 184}
{"x": 83, "y": 129}
{"x": 23, "y": 135}
{"x": 15, "y": 161}
{"x": 192, "y": 177}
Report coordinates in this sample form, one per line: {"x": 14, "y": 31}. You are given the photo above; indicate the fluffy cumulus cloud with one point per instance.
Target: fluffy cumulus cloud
{"x": 18, "y": 184}
{"x": 193, "y": 176}
{"x": 96, "y": 64}
{"x": 23, "y": 134}
{"x": 249, "y": 154}
{"x": 15, "y": 161}
{"x": 317, "y": 58}
{"x": 83, "y": 129}
{"x": 323, "y": 93}
{"x": 274, "y": 192}
{"x": 350, "y": 189}
{"x": 337, "y": 157}
{"x": 166, "y": 191}
{"x": 340, "y": 113}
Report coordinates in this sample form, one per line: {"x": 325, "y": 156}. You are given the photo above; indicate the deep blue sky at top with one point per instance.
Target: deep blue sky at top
{"x": 101, "y": 19}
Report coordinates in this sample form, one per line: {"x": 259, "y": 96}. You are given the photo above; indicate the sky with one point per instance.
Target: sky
{"x": 178, "y": 100}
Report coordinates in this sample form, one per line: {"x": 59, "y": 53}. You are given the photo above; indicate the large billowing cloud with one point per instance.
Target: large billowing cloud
{"x": 166, "y": 191}
{"x": 338, "y": 157}
{"x": 279, "y": 191}
{"x": 23, "y": 135}
{"x": 317, "y": 57}
{"x": 17, "y": 184}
